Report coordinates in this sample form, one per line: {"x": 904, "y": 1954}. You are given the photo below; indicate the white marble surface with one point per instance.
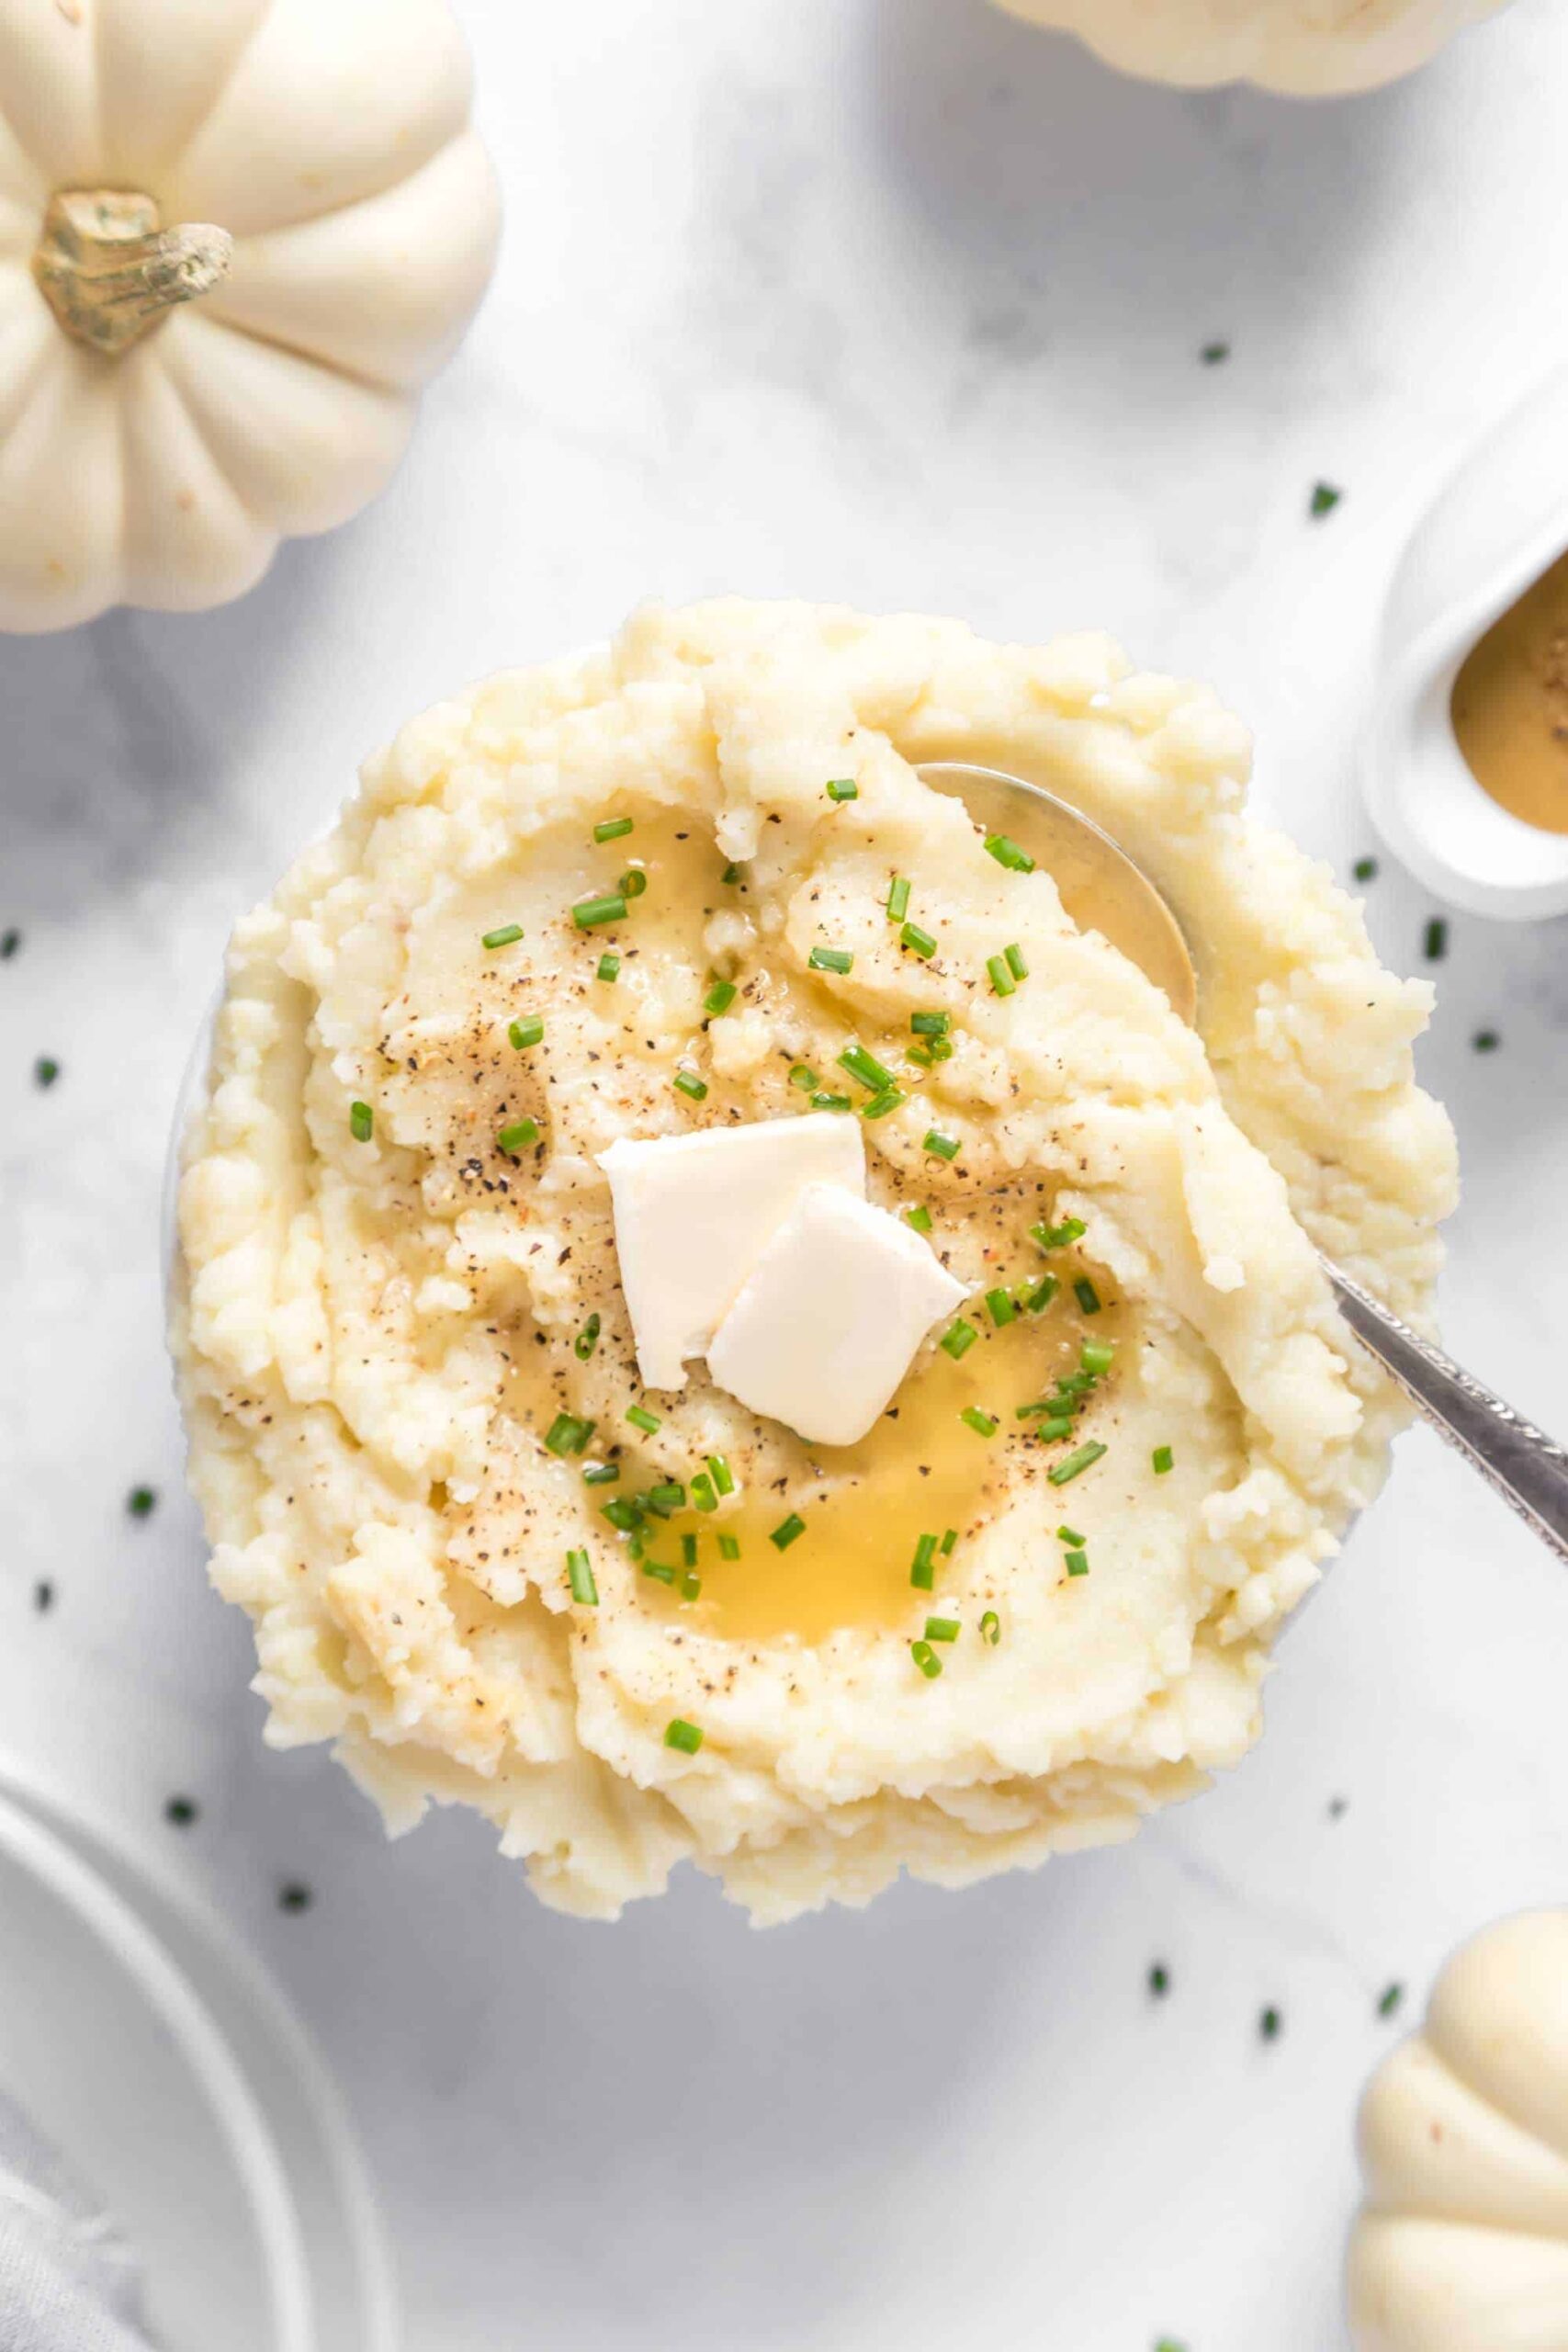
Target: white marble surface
{"x": 893, "y": 301}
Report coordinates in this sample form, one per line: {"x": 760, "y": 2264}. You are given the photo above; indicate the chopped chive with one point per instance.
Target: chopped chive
{"x": 1001, "y": 1306}
{"x": 687, "y": 1082}
{"x": 587, "y": 1340}
{"x": 1435, "y": 940}
{"x": 826, "y": 1102}
{"x": 729, "y": 1547}
{"x": 702, "y": 1495}
{"x": 641, "y": 1419}
{"x": 1365, "y": 869}
{"x": 889, "y": 1100}
{"x": 526, "y": 1033}
{"x": 897, "y": 898}
{"x": 990, "y": 1628}
{"x": 920, "y": 1056}
{"x": 865, "y": 1067}
{"x": 1081, "y": 1460}
{"x": 1389, "y": 2000}
{"x": 731, "y": 872}
{"x": 1096, "y": 1356}
{"x": 579, "y": 1575}
{"x": 1075, "y": 1384}
{"x": 947, "y": 1543}
{"x": 688, "y": 1551}
{"x": 720, "y": 997}
{"x": 784, "y": 1533}
{"x": 1076, "y": 1563}
{"x": 958, "y": 1338}
{"x": 622, "y": 1513}
{"x": 1002, "y": 981}
{"x": 803, "y": 1076}
{"x": 941, "y": 1147}
{"x": 633, "y": 883}
{"x": 844, "y": 787}
{"x": 922, "y": 1568}
{"x": 1015, "y": 962}
{"x": 921, "y": 942}
{"x": 926, "y": 1658}
{"x": 613, "y": 829}
{"x": 941, "y": 1049}
{"x": 931, "y": 1025}
{"x": 1268, "y": 2025}
{"x": 612, "y": 908}
{"x": 1163, "y": 1459}
{"x": 1065, "y": 1534}
{"x": 361, "y": 1122}
{"x": 942, "y": 1629}
{"x": 723, "y": 1476}
{"x": 983, "y": 1424}
{"x": 1325, "y": 499}
{"x": 668, "y": 1495}
{"x": 1052, "y": 1432}
{"x": 507, "y": 936}
{"x": 919, "y": 1217}
{"x": 1086, "y": 1295}
{"x": 691, "y": 1585}
{"x": 569, "y": 1434}
{"x": 1041, "y": 1293}
{"x": 608, "y": 967}
{"x": 662, "y": 1571}
{"x": 684, "y": 1736}
{"x": 1033, "y": 1412}
{"x": 1485, "y": 1041}
{"x": 1057, "y": 1237}
{"x": 600, "y": 1474}
{"x": 46, "y": 1070}
{"x": 830, "y": 959}
{"x": 1007, "y": 853}
{"x": 519, "y": 1136}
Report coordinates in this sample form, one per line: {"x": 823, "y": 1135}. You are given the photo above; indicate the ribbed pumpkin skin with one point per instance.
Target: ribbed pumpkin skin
{"x": 332, "y": 138}
{"x": 1462, "y": 2242}
{"x": 1307, "y": 49}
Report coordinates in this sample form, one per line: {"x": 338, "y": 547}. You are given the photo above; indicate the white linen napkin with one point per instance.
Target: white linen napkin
{"x": 68, "y": 2281}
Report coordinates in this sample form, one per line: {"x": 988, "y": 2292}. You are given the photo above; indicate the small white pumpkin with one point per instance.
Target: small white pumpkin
{"x": 1310, "y": 48}
{"x": 236, "y": 236}
{"x": 1462, "y": 2242}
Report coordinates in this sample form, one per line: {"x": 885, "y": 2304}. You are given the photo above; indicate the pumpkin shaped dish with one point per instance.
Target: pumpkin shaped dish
{"x": 715, "y": 1323}
{"x": 235, "y": 241}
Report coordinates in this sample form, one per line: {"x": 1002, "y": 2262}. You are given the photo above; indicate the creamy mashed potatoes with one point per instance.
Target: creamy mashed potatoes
{"x": 393, "y": 1325}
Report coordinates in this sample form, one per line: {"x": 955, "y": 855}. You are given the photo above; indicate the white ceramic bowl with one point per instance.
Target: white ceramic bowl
{"x": 1492, "y": 529}
{"x": 151, "y": 2050}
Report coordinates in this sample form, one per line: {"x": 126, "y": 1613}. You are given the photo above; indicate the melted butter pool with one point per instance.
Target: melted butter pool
{"x": 921, "y": 1471}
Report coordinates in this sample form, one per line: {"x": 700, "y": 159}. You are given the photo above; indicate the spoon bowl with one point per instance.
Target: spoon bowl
{"x": 1102, "y": 889}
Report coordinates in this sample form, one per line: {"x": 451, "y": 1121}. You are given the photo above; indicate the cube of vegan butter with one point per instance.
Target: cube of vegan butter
{"x": 829, "y": 1322}
{"x": 694, "y": 1213}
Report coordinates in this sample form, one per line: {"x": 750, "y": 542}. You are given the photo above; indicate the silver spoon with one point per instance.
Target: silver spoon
{"x": 1103, "y": 890}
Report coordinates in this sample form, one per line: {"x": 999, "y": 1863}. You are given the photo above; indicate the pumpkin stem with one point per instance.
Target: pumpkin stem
{"x": 109, "y": 273}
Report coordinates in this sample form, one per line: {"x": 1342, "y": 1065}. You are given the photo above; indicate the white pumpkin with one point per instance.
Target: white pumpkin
{"x": 1311, "y": 48}
{"x": 1463, "y": 2243}
{"x": 236, "y": 236}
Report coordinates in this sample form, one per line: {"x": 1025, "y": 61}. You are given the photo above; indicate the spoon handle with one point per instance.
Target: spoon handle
{"x": 1528, "y": 1469}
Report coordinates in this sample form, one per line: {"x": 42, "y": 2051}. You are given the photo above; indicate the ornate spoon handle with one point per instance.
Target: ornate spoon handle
{"x": 1528, "y": 1469}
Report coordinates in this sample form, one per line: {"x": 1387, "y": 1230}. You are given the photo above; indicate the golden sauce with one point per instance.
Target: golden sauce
{"x": 1510, "y": 706}
{"x": 919, "y": 1471}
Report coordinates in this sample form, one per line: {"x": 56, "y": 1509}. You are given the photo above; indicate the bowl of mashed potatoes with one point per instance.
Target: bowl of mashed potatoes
{"x": 716, "y": 1324}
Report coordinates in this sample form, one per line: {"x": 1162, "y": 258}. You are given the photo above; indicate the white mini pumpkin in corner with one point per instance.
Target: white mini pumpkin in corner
{"x": 236, "y": 237}
{"x": 1462, "y": 2242}
{"x": 1309, "y": 47}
